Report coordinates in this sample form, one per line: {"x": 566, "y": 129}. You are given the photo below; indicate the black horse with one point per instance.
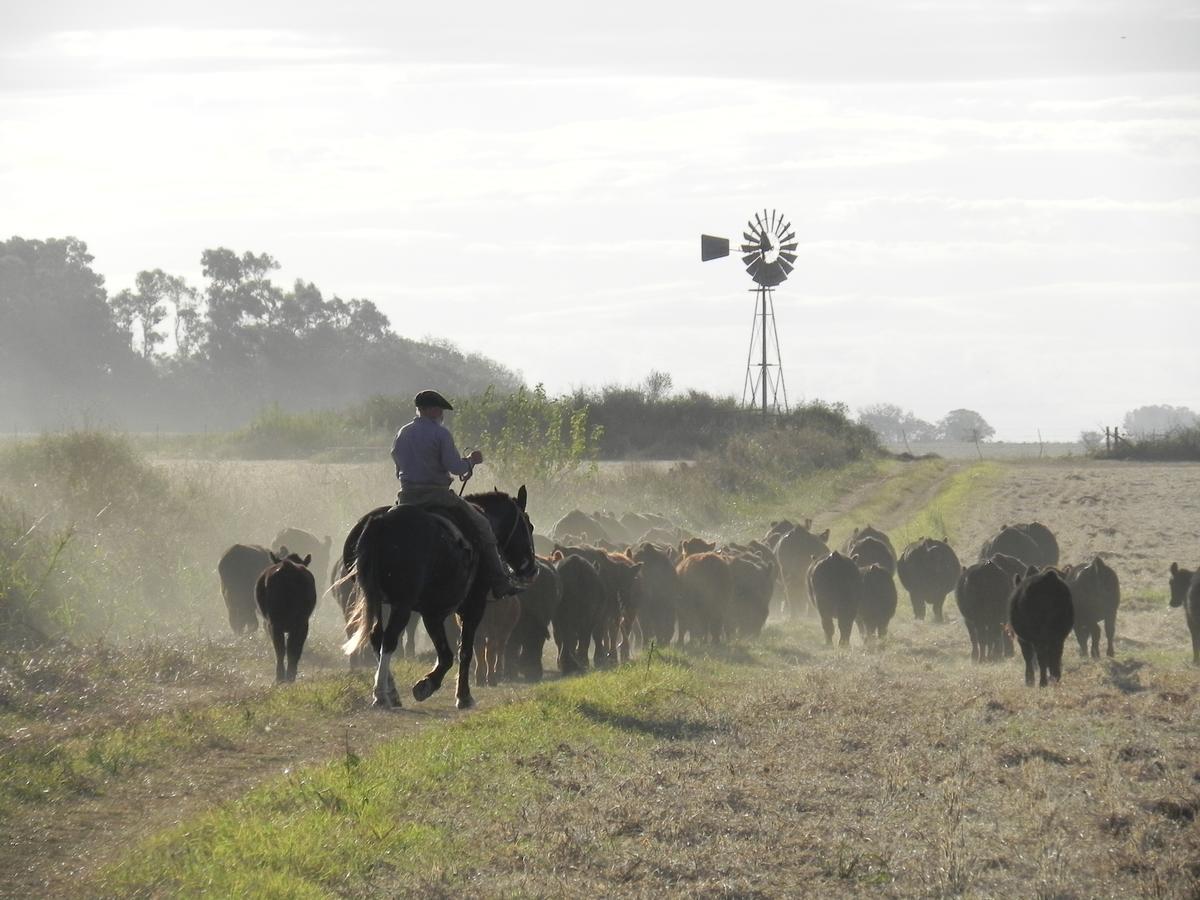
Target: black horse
{"x": 407, "y": 560}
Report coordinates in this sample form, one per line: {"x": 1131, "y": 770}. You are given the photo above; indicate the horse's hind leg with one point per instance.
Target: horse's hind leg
{"x": 385, "y": 687}
{"x": 435, "y": 626}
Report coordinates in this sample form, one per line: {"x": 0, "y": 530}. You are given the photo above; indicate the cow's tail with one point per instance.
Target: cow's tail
{"x": 368, "y": 600}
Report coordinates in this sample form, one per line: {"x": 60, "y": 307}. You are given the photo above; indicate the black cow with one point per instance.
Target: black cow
{"x": 579, "y": 612}
{"x": 539, "y": 602}
{"x": 928, "y": 569}
{"x": 868, "y": 532}
{"x": 1185, "y": 592}
{"x": 286, "y": 594}
{"x": 304, "y": 543}
{"x": 982, "y": 595}
{"x": 1047, "y": 543}
{"x": 239, "y": 569}
{"x": 1042, "y": 615}
{"x": 1032, "y": 543}
{"x": 877, "y": 603}
{"x": 1096, "y": 593}
{"x": 835, "y": 585}
{"x": 870, "y": 551}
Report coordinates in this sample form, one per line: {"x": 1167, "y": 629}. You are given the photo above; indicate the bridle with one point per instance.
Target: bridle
{"x": 518, "y": 518}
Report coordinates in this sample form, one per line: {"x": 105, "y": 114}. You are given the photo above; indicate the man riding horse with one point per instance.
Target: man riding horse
{"x": 426, "y": 462}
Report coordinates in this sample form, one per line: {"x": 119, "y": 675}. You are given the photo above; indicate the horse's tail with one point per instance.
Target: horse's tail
{"x": 368, "y": 602}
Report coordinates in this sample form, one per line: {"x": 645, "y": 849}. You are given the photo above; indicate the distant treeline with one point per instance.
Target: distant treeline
{"x": 166, "y": 354}
{"x": 636, "y": 422}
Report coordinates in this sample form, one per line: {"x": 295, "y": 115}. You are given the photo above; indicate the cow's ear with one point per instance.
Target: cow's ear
{"x": 307, "y": 559}
{"x": 824, "y": 535}
{"x": 1174, "y": 568}
{"x": 522, "y": 497}
{"x": 271, "y": 554}
{"x": 556, "y": 555}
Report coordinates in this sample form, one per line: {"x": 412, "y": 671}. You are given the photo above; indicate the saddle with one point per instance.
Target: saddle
{"x": 457, "y": 532}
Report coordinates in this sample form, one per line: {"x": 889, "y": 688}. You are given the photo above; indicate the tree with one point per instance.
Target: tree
{"x": 240, "y": 295}
{"x": 187, "y": 319}
{"x": 657, "y": 386}
{"x": 894, "y": 424}
{"x": 964, "y": 425}
{"x": 1158, "y": 419}
{"x": 60, "y": 348}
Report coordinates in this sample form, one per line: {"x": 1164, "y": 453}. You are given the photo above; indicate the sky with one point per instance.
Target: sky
{"x": 997, "y": 204}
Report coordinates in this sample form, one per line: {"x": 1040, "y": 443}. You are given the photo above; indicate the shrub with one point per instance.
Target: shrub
{"x": 815, "y": 436}
{"x": 527, "y": 435}
{"x": 106, "y": 534}
{"x": 29, "y": 600}
{"x": 1176, "y": 445}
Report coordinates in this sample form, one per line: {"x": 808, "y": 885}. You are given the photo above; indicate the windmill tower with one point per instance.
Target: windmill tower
{"x": 769, "y": 252}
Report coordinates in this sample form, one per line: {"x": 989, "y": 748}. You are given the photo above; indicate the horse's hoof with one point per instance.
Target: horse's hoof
{"x": 384, "y": 703}
{"x": 465, "y": 702}
{"x": 422, "y": 690}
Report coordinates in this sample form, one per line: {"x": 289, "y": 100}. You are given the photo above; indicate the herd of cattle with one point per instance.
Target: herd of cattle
{"x": 605, "y": 583}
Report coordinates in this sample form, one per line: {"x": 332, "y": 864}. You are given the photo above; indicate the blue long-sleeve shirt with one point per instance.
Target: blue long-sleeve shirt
{"x": 424, "y": 454}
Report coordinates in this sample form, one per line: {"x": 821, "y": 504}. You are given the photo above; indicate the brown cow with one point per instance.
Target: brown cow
{"x": 706, "y": 593}
{"x": 491, "y": 637}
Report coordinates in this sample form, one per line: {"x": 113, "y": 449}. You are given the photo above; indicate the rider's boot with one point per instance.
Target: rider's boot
{"x": 496, "y": 573}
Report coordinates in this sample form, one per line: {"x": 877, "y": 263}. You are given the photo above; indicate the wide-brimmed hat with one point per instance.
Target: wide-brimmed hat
{"x": 427, "y": 399}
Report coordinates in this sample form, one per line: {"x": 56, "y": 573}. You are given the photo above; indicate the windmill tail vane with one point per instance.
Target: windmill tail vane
{"x": 768, "y": 252}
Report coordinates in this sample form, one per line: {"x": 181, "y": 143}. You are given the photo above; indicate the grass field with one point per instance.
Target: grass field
{"x": 776, "y": 767}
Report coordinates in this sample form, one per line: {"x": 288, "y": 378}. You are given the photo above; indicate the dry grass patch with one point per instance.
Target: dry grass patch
{"x": 911, "y": 774}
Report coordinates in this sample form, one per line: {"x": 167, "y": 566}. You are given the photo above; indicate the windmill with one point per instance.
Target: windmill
{"x": 769, "y": 252}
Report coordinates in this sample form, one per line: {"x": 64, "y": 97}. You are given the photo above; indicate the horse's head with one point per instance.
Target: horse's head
{"x": 514, "y": 531}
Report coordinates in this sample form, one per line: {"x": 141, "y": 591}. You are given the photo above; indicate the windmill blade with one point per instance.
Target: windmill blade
{"x": 751, "y": 257}
{"x": 749, "y": 238}
{"x": 771, "y": 275}
{"x": 783, "y": 227}
{"x": 792, "y": 246}
{"x": 762, "y": 229}
{"x": 786, "y": 266}
{"x": 790, "y": 257}
{"x": 790, "y": 236}
{"x": 754, "y": 268}
{"x": 772, "y": 220}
